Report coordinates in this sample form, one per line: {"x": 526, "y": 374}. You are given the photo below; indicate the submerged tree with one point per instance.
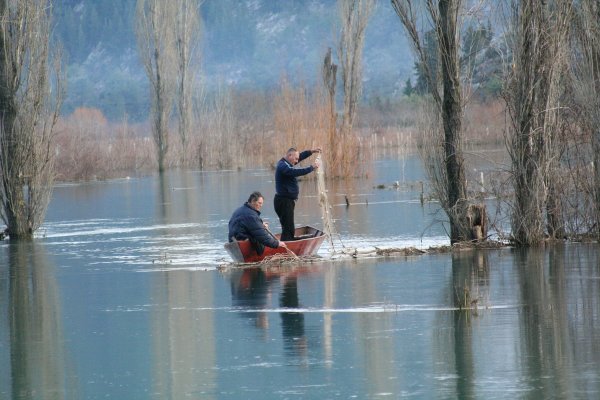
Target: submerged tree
{"x": 29, "y": 104}
{"x": 586, "y": 77}
{"x": 443, "y": 154}
{"x": 532, "y": 96}
{"x": 354, "y": 16}
{"x": 187, "y": 41}
{"x": 329, "y": 75}
{"x": 155, "y": 38}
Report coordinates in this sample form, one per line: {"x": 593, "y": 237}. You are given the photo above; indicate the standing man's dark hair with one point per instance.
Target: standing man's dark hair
{"x": 287, "y": 189}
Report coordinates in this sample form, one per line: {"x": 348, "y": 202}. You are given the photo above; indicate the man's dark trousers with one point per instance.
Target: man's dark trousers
{"x": 284, "y": 207}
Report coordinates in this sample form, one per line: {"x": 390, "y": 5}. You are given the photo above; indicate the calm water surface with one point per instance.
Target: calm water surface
{"x": 127, "y": 294}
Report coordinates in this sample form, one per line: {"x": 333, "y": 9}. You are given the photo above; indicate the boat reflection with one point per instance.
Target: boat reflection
{"x": 253, "y": 290}
{"x": 250, "y": 290}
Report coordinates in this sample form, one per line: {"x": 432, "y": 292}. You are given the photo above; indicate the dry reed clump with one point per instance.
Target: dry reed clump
{"x": 484, "y": 124}
{"x": 237, "y": 130}
{"x": 301, "y": 119}
{"x": 88, "y": 147}
{"x": 233, "y": 130}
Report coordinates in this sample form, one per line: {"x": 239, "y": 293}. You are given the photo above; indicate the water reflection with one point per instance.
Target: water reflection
{"x": 179, "y": 322}
{"x": 379, "y": 328}
{"x": 164, "y": 198}
{"x": 38, "y": 359}
{"x": 183, "y": 335}
{"x": 376, "y": 344}
{"x": 542, "y": 350}
{"x": 250, "y": 289}
{"x": 470, "y": 283}
{"x": 546, "y": 340}
{"x": 292, "y": 323}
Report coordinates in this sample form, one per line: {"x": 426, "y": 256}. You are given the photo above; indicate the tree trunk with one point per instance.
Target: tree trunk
{"x": 329, "y": 80}
{"x": 533, "y": 101}
{"x": 156, "y": 45}
{"x": 28, "y": 114}
{"x": 596, "y": 172}
{"x": 452, "y": 118}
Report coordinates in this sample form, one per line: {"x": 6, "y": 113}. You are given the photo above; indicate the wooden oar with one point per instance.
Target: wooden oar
{"x": 290, "y": 252}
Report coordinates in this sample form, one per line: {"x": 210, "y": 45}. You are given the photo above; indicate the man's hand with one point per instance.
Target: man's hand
{"x": 282, "y": 244}
{"x": 317, "y": 163}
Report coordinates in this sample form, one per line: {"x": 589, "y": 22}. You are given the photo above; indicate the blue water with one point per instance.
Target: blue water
{"x": 127, "y": 293}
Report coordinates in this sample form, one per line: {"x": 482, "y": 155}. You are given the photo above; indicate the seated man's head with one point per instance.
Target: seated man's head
{"x": 256, "y": 200}
{"x": 292, "y": 156}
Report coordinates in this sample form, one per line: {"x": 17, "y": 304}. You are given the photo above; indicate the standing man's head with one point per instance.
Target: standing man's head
{"x": 256, "y": 200}
{"x": 292, "y": 156}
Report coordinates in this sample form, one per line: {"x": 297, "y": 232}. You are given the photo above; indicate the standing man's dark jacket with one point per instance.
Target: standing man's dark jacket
{"x": 245, "y": 223}
{"x": 286, "y": 184}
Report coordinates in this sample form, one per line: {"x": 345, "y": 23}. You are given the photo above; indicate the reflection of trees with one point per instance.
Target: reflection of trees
{"x": 183, "y": 337}
{"x": 470, "y": 277}
{"x": 37, "y": 354}
{"x": 546, "y": 346}
{"x": 164, "y": 196}
{"x": 329, "y": 279}
{"x": 584, "y": 306}
{"x": 379, "y": 355}
{"x": 178, "y": 197}
{"x": 292, "y": 323}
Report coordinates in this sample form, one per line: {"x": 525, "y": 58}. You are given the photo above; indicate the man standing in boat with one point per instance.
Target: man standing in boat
{"x": 245, "y": 223}
{"x": 286, "y": 187}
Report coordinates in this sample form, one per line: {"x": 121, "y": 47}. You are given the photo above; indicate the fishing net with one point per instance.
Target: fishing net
{"x": 326, "y": 210}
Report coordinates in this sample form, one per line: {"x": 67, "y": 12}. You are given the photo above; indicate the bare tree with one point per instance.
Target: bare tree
{"x": 329, "y": 75}
{"x": 354, "y": 15}
{"x": 586, "y": 78}
{"x": 532, "y": 96}
{"x": 187, "y": 40}
{"x": 29, "y": 104}
{"x": 155, "y": 38}
{"x": 444, "y": 155}
{"x": 222, "y": 142}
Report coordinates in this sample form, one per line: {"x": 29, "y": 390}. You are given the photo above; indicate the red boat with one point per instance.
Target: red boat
{"x": 307, "y": 243}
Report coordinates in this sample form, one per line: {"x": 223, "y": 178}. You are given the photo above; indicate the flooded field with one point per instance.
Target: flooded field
{"x": 128, "y": 293}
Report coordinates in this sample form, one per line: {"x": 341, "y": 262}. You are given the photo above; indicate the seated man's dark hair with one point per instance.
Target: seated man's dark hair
{"x": 254, "y": 196}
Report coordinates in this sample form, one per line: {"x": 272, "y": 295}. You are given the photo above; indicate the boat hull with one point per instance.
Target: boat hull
{"x": 308, "y": 242}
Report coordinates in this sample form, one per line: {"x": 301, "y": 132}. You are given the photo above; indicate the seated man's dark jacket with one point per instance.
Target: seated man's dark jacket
{"x": 286, "y": 184}
{"x": 245, "y": 223}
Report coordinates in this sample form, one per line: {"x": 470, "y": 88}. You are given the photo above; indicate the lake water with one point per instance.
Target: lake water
{"x": 127, "y": 293}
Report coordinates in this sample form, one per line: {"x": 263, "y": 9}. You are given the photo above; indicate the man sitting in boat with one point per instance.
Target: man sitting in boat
{"x": 245, "y": 223}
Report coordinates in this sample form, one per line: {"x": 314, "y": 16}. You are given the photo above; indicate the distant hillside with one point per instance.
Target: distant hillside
{"x": 248, "y": 43}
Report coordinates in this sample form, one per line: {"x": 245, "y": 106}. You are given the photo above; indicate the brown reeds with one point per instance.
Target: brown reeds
{"x": 302, "y": 119}
{"x": 88, "y": 147}
{"x": 235, "y": 130}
